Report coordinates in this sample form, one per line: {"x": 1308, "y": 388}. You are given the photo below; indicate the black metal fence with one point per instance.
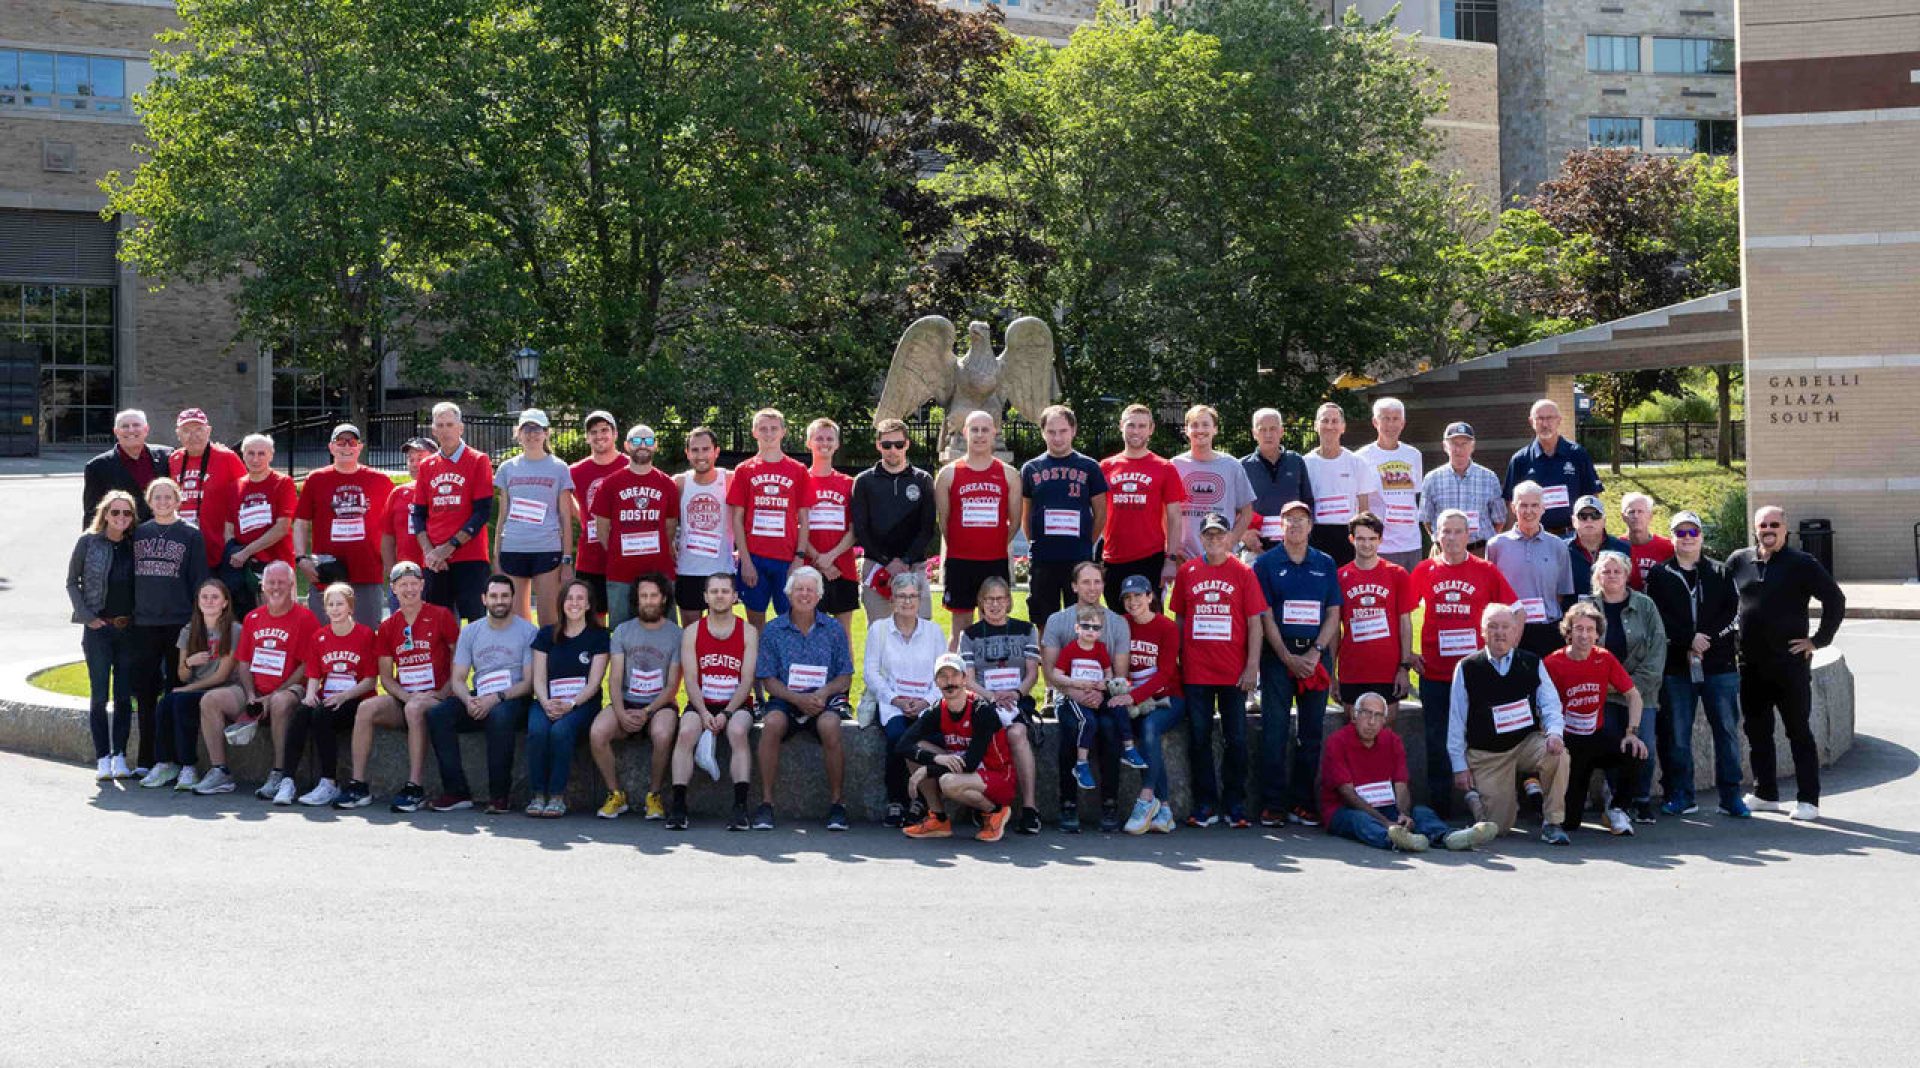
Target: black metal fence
{"x": 1644, "y": 443}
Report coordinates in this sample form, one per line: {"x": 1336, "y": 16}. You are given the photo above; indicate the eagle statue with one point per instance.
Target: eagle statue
{"x": 925, "y": 370}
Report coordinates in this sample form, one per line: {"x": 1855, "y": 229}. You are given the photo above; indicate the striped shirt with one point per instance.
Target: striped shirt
{"x": 1476, "y": 493}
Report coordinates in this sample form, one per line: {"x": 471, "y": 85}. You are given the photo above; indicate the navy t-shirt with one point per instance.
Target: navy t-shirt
{"x": 1062, "y": 493}
{"x": 572, "y": 658}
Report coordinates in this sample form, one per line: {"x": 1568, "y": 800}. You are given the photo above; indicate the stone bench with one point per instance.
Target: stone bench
{"x": 61, "y": 733}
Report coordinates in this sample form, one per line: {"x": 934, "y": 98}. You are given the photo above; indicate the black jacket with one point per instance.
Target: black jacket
{"x": 893, "y": 514}
{"x": 1773, "y": 601}
{"x": 105, "y": 472}
{"x": 1674, "y": 591}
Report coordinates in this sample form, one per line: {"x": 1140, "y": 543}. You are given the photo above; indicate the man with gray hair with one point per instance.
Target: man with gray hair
{"x": 1465, "y": 486}
{"x": 1645, "y": 549}
{"x": 805, "y": 666}
{"x": 452, "y": 509}
{"x": 1506, "y": 720}
{"x": 1536, "y": 564}
{"x": 256, "y": 517}
{"x": 1279, "y": 476}
{"x": 1364, "y": 794}
{"x": 1399, "y": 468}
{"x": 1560, "y": 467}
{"x": 129, "y": 465}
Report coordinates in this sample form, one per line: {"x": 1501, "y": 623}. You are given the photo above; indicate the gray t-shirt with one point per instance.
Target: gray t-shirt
{"x": 1118, "y": 637}
{"x": 218, "y": 649}
{"x": 489, "y": 651}
{"x": 530, "y": 511}
{"x": 1217, "y": 485}
{"x": 647, "y": 658}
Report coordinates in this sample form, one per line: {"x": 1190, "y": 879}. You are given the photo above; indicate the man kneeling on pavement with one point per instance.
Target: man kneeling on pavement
{"x": 1363, "y": 789}
{"x": 1505, "y": 720}
{"x": 962, "y": 755}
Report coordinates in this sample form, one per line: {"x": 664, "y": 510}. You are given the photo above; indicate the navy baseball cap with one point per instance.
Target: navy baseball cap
{"x": 1136, "y": 584}
{"x": 1458, "y": 430}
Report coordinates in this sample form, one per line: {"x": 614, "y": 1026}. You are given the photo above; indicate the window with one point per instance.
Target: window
{"x": 72, "y": 329}
{"x": 1612, "y": 54}
{"x": 1470, "y": 20}
{"x": 1692, "y": 55}
{"x": 62, "y": 82}
{"x": 1608, "y": 131}
{"x": 1713, "y": 136}
{"x": 299, "y": 393}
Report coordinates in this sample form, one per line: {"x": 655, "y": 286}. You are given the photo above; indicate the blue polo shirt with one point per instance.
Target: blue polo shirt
{"x": 782, "y": 646}
{"x": 1064, "y": 489}
{"x": 1569, "y": 469}
{"x": 1314, "y": 581}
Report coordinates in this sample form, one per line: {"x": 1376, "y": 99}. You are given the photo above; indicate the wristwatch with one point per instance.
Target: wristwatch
{"x": 566, "y": 558}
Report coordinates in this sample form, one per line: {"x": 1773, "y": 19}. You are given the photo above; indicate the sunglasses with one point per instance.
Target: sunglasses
{"x": 891, "y": 445}
{"x": 1089, "y": 626}
{"x": 1589, "y": 515}
{"x": 646, "y": 442}
{"x": 114, "y": 513}
{"x": 1683, "y": 532}
{"x": 1769, "y": 526}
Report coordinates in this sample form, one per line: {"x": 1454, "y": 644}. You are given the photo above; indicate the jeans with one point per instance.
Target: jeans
{"x": 1152, "y": 727}
{"x": 1436, "y": 699}
{"x": 178, "y": 726}
{"x": 1721, "y": 695}
{"x": 155, "y": 656}
{"x": 1279, "y": 695}
{"x": 619, "y": 602}
{"x": 448, "y": 720}
{"x": 1783, "y": 683}
{"x": 1102, "y": 732}
{"x": 1641, "y": 781}
{"x": 110, "y": 655}
{"x": 550, "y": 744}
{"x": 1357, "y": 825}
{"x": 1231, "y": 703}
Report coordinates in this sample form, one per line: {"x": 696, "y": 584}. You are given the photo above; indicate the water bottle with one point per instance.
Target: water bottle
{"x": 1694, "y": 669}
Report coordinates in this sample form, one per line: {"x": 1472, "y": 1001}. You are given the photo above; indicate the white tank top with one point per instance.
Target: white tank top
{"x": 706, "y": 530}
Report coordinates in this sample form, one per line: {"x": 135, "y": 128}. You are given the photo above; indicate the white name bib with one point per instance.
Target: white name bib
{"x": 269, "y": 661}
{"x": 646, "y": 683}
{"x": 1553, "y": 496}
{"x": 1062, "y": 524}
{"x": 703, "y": 543}
{"x": 805, "y": 678}
{"x": 1377, "y": 794}
{"x": 1305, "y": 613}
{"x": 1473, "y": 525}
{"x": 640, "y": 543}
{"x": 347, "y": 528}
{"x": 827, "y": 517}
{"x": 255, "y": 515}
{"x": 1087, "y": 671}
{"x": 1402, "y": 511}
{"x": 1212, "y": 628}
{"x": 718, "y": 689}
{"x": 527, "y": 510}
{"x": 1369, "y": 625}
{"x": 1459, "y": 642}
{"x": 920, "y": 688}
{"x": 416, "y": 676}
{"x": 769, "y": 524}
{"x": 1273, "y": 527}
{"x": 1512, "y": 716}
{"x": 1333, "y": 509}
{"x": 566, "y": 689}
{"x": 336, "y": 685}
{"x": 1535, "y": 608}
{"x": 1000, "y": 679}
{"x": 1582, "y": 723}
{"x": 980, "y": 514}
{"x": 492, "y": 682}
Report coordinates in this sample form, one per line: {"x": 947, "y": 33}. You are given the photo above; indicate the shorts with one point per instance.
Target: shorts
{"x": 1351, "y": 691}
{"x": 1023, "y": 712}
{"x": 670, "y": 709}
{"x": 963, "y": 579}
{"x": 690, "y": 594}
{"x": 527, "y": 565}
{"x": 459, "y": 588}
{"x": 771, "y": 589}
{"x": 842, "y": 596}
{"x": 1001, "y": 787}
{"x": 837, "y": 706}
{"x": 1148, "y": 567}
{"x": 596, "y": 588}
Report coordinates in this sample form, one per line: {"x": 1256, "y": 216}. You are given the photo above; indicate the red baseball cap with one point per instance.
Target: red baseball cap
{"x": 192, "y": 415}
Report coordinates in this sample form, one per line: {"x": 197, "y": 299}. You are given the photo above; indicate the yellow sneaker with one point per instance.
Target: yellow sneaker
{"x": 616, "y": 803}
{"x": 656, "y": 807}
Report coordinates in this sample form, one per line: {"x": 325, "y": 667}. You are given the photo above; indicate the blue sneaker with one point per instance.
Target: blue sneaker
{"x": 1144, "y": 810}
{"x": 1083, "y": 775}
{"x": 1553, "y": 835}
{"x": 1131, "y": 757}
{"x": 1736, "y": 808}
{"x": 1679, "y": 806}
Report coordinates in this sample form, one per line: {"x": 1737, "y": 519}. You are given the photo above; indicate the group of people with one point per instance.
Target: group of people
{"x": 1164, "y": 593}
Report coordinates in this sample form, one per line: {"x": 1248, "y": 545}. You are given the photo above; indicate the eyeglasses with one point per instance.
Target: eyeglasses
{"x": 891, "y": 445}
{"x": 1684, "y": 532}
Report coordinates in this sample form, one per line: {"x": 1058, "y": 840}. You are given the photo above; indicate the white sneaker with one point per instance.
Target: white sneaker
{"x": 1757, "y": 804}
{"x": 103, "y": 769}
{"x": 218, "y": 781}
{"x": 162, "y": 774}
{"x": 1804, "y": 811}
{"x": 271, "y": 787}
{"x": 324, "y": 793}
{"x": 1619, "y": 823}
{"x": 1407, "y": 841}
{"x": 119, "y": 767}
{"x": 283, "y": 794}
{"x": 188, "y": 779}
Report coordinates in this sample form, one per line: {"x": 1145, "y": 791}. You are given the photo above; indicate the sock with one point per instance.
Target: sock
{"x": 739, "y": 793}
{"x": 679, "y": 795}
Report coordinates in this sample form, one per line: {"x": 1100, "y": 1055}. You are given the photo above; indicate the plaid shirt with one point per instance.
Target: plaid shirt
{"x": 1476, "y": 493}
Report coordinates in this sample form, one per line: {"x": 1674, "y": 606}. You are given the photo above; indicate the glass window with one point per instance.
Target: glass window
{"x": 36, "y": 79}
{"x": 77, "y": 367}
{"x": 109, "y": 83}
{"x": 1607, "y": 52}
{"x": 66, "y": 82}
{"x": 1692, "y": 55}
{"x": 1610, "y": 131}
{"x": 299, "y": 393}
{"x": 9, "y": 75}
{"x": 1712, "y": 136}
{"x": 1470, "y": 20}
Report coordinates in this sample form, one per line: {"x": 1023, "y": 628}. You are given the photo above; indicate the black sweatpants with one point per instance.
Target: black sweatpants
{"x": 1769, "y": 683}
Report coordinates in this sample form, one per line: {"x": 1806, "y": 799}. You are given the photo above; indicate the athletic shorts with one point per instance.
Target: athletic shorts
{"x": 459, "y": 588}
{"x": 963, "y": 579}
{"x": 796, "y": 725}
{"x": 597, "y": 590}
{"x": 1001, "y": 787}
{"x": 527, "y": 565}
{"x": 690, "y": 593}
{"x": 771, "y": 589}
{"x": 1351, "y": 691}
{"x": 1148, "y": 567}
{"x": 842, "y": 596}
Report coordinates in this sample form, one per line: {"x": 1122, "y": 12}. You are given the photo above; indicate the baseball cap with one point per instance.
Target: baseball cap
{"x": 534, "y": 417}
{"x": 1295, "y": 506}
{"x": 950, "y": 662}
{"x": 1136, "y": 584}
{"x": 1214, "y": 521}
{"x": 1458, "y": 430}
{"x": 405, "y": 567}
{"x": 191, "y": 415}
{"x": 421, "y": 445}
{"x": 1589, "y": 501}
{"x": 344, "y": 428}
{"x": 1682, "y": 519}
{"x": 598, "y": 416}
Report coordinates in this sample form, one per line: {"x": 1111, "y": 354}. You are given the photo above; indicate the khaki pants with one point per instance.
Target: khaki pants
{"x": 1494, "y": 774}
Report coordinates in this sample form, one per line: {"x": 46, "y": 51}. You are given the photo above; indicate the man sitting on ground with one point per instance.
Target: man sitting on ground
{"x": 1363, "y": 789}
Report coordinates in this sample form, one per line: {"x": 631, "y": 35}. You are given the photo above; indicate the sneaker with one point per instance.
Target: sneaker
{"x": 934, "y": 826}
{"x": 536, "y": 805}
{"x": 324, "y": 793}
{"x": 286, "y": 791}
{"x": 161, "y": 776}
{"x": 218, "y": 781}
{"x": 555, "y": 807}
{"x": 1083, "y": 776}
{"x": 837, "y": 817}
{"x": 1407, "y": 841}
{"x": 1618, "y": 823}
{"x": 896, "y": 815}
{"x": 677, "y": 818}
{"x": 1130, "y": 756}
{"x": 1109, "y": 817}
{"x": 1144, "y": 810}
{"x": 1553, "y": 834}
{"x": 1069, "y": 818}
{"x": 356, "y": 795}
{"x": 1736, "y": 808}
{"x": 763, "y": 817}
{"x": 613, "y": 806}
{"x": 993, "y": 825}
{"x": 103, "y": 770}
{"x": 1273, "y": 817}
{"x": 656, "y": 806}
{"x": 1237, "y": 818}
{"x": 1163, "y": 820}
{"x": 1756, "y": 803}
{"x": 271, "y": 787}
{"x": 1468, "y": 837}
{"x": 117, "y": 766}
{"x": 450, "y": 803}
{"x": 916, "y": 812}
{"x": 1029, "y": 821}
{"x": 1805, "y": 812}
{"x": 1679, "y": 806}
{"x": 1643, "y": 812}
{"x": 1303, "y": 816}
{"x": 189, "y": 778}
{"x": 140, "y": 772}
{"x": 739, "y": 822}
{"x": 499, "y": 806}
{"x": 409, "y": 799}
{"x": 1202, "y": 817}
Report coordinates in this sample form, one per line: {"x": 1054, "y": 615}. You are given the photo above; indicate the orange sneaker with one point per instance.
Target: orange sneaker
{"x": 934, "y": 826}
{"x": 993, "y": 824}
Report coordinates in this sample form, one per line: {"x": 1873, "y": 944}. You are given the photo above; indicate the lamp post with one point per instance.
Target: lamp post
{"x": 526, "y": 371}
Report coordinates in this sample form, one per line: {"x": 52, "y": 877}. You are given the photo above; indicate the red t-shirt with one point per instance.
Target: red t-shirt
{"x": 1454, "y": 596}
{"x": 1138, "y": 492}
{"x": 1370, "y": 770}
{"x": 1154, "y": 666}
{"x": 454, "y": 486}
{"x": 422, "y": 658}
{"x": 1583, "y": 685}
{"x": 1656, "y": 551}
{"x": 399, "y": 523}
{"x": 636, "y": 508}
{"x": 341, "y": 661}
{"x": 831, "y": 515}
{"x": 271, "y": 646}
{"x": 773, "y": 493}
{"x": 217, "y": 466}
{"x": 1214, "y": 603}
{"x": 1084, "y": 665}
{"x": 979, "y": 512}
{"x": 252, "y": 507}
{"x": 1371, "y": 604}
{"x": 589, "y": 557}
{"x": 348, "y": 513}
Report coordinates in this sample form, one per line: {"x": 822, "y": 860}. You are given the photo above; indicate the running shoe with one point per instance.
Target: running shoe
{"x": 218, "y": 781}
{"x": 103, "y": 770}
{"x": 613, "y": 806}
{"x": 1303, "y": 816}
{"x": 934, "y": 826}
{"x": 356, "y": 795}
{"x": 189, "y": 778}
{"x": 1756, "y": 803}
{"x": 1163, "y": 820}
{"x": 656, "y": 806}
{"x": 1736, "y": 808}
{"x": 1679, "y": 806}
{"x": 118, "y": 766}
{"x": 1109, "y": 817}
{"x": 286, "y": 791}
{"x": 1618, "y": 822}
{"x": 1069, "y": 818}
{"x": 896, "y": 815}
{"x": 993, "y": 825}
{"x": 1144, "y": 810}
{"x": 271, "y": 786}
{"x": 1083, "y": 775}
{"x": 1029, "y": 822}
{"x": 409, "y": 799}
{"x": 450, "y": 803}
{"x": 837, "y": 817}
{"x": 1202, "y": 817}
{"x": 162, "y": 776}
{"x": 677, "y": 818}
{"x": 1237, "y": 818}
{"x": 1130, "y": 756}
{"x": 1805, "y": 813}
{"x": 500, "y": 806}
{"x": 739, "y": 822}
{"x": 1407, "y": 841}
{"x": 1273, "y": 817}
{"x": 324, "y": 793}
{"x": 763, "y": 817}
{"x": 1553, "y": 834}
{"x": 1643, "y": 812}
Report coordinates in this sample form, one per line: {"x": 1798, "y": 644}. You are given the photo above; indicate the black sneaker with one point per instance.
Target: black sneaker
{"x": 763, "y": 817}
{"x": 739, "y": 822}
{"x": 1070, "y": 818}
{"x": 410, "y": 798}
{"x": 1643, "y": 812}
{"x": 1029, "y": 821}
{"x": 896, "y": 815}
{"x": 677, "y": 818}
{"x": 1109, "y": 817}
{"x": 837, "y": 817}
{"x": 916, "y": 812}
{"x": 356, "y": 795}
